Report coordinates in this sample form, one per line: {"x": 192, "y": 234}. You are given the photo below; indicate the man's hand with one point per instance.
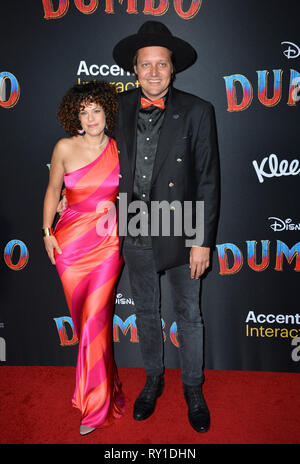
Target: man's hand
{"x": 51, "y": 245}
{"x": 62, "y": 205}
{"x": 199, "y": 261}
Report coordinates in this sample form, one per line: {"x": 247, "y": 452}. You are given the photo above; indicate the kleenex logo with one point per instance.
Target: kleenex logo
{"x": 271, "y": 167}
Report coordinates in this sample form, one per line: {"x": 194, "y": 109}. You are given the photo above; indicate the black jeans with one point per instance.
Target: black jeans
{"x": 145, "y": 287}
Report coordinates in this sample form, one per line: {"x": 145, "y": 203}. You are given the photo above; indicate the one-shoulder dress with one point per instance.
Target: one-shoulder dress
{"x": 89, "y": 267}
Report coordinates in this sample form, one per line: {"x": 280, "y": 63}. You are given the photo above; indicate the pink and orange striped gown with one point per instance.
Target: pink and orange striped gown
{"x": 89, "y": 267}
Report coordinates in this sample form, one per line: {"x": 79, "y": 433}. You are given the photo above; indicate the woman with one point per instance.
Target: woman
{"x": 85, "y": 246}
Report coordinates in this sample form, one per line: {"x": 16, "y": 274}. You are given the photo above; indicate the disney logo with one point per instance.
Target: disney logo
{"x": 279, "y": 225}
{"x": 276, "y": 169}
{"x": 293, "y": 51}
{"x": 120, "y": 300}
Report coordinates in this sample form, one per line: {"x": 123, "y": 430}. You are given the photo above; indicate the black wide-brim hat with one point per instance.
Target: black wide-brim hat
{"x": 154, "y": 33}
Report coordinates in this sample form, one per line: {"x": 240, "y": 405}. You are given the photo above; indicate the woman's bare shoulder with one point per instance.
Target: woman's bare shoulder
{"x": 66, "y": 143}
{"x": 65, "y": 146}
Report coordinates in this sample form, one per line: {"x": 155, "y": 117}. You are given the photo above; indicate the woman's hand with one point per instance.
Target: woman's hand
{"x": 62, "y": 205}
{"x": 51, "y": 245}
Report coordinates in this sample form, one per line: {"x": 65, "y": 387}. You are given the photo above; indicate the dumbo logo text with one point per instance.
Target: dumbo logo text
{"x": 148, "y": 7}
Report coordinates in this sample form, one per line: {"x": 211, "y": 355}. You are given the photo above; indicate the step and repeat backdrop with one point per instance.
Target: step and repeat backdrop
{"x": 248, "y": 67}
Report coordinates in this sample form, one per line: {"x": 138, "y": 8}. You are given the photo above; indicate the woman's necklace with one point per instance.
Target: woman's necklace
{"x": 96, "y": 146}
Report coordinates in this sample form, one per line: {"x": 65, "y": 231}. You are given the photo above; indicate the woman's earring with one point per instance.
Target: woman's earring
{"x": 81, "y": 131}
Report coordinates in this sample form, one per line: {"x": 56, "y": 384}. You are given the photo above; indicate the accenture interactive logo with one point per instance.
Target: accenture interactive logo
{"x": 276, "y": 327}
{"x": 116, "y": 75}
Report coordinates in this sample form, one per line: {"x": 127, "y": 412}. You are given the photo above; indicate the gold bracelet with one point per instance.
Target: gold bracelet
{"x": 47, "y": 232}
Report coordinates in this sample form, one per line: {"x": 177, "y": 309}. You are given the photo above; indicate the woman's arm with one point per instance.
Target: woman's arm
{"x": 52, "y": 196}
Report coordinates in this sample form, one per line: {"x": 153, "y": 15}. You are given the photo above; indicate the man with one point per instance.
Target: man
{"x": 168, "y": 152}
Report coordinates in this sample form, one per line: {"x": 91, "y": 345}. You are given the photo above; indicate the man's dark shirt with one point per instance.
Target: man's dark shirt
{"x": 148, "y": 129}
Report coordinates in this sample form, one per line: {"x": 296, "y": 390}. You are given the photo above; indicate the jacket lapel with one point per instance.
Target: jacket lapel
{"x": 168, "y": 130}
{"x": 130, "y": 126}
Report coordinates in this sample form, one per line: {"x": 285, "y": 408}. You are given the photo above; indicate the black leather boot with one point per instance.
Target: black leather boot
{"x": 198, "y": 412}
{"x": 145, "y": 403}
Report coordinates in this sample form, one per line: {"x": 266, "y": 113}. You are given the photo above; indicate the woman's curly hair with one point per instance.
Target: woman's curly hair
{"x": 99, "y": 92}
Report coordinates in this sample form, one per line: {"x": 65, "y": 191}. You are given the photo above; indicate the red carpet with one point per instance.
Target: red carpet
{"x": 246, "y": 408}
